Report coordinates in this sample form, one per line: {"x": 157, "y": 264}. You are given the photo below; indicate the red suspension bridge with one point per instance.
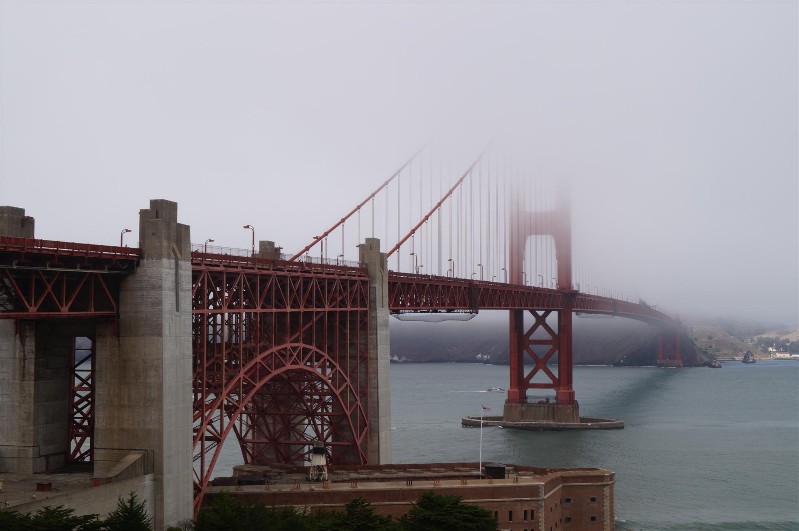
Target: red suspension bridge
{"x": 287, "y": 349}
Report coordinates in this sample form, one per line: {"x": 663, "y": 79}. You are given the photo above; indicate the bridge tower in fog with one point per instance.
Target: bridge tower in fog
{"x": 540, "y": 342}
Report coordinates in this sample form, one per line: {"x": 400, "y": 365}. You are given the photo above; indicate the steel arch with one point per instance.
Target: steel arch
{"x": 228, "y": 406}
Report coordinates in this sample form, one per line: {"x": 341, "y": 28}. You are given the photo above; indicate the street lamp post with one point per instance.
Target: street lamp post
{"x": 205, "y": 245}
{"x": 415, "y": 262}
{"x": 248, "y": 226}
{"x": 122, "y": 236}
{"x": 451, "y": 270}
{"x": 541, "y": 282}
{"x": 481, "y": 270}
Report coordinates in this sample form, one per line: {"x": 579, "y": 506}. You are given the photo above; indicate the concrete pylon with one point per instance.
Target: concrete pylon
{"x": 379, "y": 410}
{"x": 268, "y": 250}
{"x": 144, "y": 375}
{"x": 14, "y": 222}
{"x": 33, "y": 383}
{"x": 17, "y": 363}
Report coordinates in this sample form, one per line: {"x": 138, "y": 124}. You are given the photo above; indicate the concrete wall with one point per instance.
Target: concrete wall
{"x": 144, "y": 388}
{"x": 14, "y": 222}
{"x": 98, "y": 500}
{"x": 18, "y": 450}
{"x": 35, "y": 393}
{"x": 379, "y": 411}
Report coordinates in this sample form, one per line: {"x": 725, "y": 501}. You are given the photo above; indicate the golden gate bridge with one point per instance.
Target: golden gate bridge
{"x": 291, "y": 348}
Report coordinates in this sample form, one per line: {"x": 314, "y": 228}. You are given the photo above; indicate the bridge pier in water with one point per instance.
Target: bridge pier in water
{"x": 669, "y": 352}
{"x": 541, "y": 343}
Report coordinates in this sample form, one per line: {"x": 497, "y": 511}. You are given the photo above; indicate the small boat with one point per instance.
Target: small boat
{"x": 495, "y": 390}
{"x": 714, "y": 364}
{"x": 749, "y": 357}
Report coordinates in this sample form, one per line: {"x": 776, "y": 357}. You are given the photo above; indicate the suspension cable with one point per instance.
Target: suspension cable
{"x": 321, "y": 237}
{"x": 437, "y": 205}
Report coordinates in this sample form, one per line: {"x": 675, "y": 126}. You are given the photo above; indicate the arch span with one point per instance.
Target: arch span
{"x": 318, "y": 399}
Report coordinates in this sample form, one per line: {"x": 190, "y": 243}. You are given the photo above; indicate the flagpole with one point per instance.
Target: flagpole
{"x": 480, "y": 466}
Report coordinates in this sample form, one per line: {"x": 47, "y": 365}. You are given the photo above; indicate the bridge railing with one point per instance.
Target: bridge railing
{"x": 59, "y": 248}
{"x": 243, "y": 258}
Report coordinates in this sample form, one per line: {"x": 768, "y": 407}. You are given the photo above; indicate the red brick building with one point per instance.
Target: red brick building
{"x": 521, "y": 498}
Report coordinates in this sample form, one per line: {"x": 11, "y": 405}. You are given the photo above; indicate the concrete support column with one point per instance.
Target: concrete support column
{"x": 14, "y": 222}
{"x": 144, "y": 376}
{"x": 268, "y": 250}
{"x": 18, "y": 449}
{"x": 22, "y": 403}
{"x": 379, "y": 410}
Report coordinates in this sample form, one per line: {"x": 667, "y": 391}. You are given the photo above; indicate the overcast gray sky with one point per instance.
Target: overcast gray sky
{"x": 677, "y": 122}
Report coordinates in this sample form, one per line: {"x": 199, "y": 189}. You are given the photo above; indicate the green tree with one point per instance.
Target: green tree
{"x": 433, "y": 512}
{"x": 358, "y": 515}
{"x": 227, "y": 513}
{"x": 59, "y": 518}
{"x": 130, "y": 515}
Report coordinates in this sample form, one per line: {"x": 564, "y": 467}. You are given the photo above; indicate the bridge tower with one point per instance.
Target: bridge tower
{"x": 669, "y": 351}
{"x": 144, "y": 376}
{"x": 540, "y": 342}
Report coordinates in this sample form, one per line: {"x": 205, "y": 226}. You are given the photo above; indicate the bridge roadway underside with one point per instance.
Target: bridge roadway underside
{"x": 426, "y": 293}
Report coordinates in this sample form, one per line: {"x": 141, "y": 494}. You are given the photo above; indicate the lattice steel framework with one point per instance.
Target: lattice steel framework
{"x": 280, "y": 360}
{"x": 50, "y": 279}
{"x": 81, "y": 418}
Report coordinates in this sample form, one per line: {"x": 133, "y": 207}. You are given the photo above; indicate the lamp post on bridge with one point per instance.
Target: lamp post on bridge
{"x": 481, "y": 270}
{"x": 248, "y": 226}
{"x": 122, "y": 236}
{"x": 554, "y": 283}
{"x": 415, "y": 262}
{"x": 505, "y": 271}
{"x": 205, "y": 245}
{"x": 451, "y": 270}
{"x": 541, "y": 282}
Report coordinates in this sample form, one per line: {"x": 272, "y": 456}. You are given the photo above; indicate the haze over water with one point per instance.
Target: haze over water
{"x": 701, "y": 449}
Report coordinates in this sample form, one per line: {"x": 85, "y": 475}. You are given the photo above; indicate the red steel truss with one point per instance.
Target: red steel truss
{"x": 422, "y": 293}
{"x": 45, "y": 279}
{"x": 81, "y": 418}
{"x": 280, "y": 360}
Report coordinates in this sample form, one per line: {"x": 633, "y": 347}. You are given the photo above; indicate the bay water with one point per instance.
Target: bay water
{"x": 702, "y": 449}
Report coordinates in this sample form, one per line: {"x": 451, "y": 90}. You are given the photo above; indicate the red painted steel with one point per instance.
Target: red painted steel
{"x": 431, "y": 293}
{"x": 34, "y": 246}
{"x": 669, "y": 352}
{"x": 47, "y": 279}
{"x": 280, "y": 360}
{"x": 81, "y": 418}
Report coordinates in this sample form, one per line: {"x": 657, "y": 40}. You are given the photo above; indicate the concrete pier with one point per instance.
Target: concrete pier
{"x": 144, "y": 387}
{"x": 379, "y": 411}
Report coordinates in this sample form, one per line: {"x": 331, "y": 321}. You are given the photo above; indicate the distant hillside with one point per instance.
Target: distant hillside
{"x": 715, "y": 341}
{"x": 596, "y": 341}
{"x": 727, "y": 339}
